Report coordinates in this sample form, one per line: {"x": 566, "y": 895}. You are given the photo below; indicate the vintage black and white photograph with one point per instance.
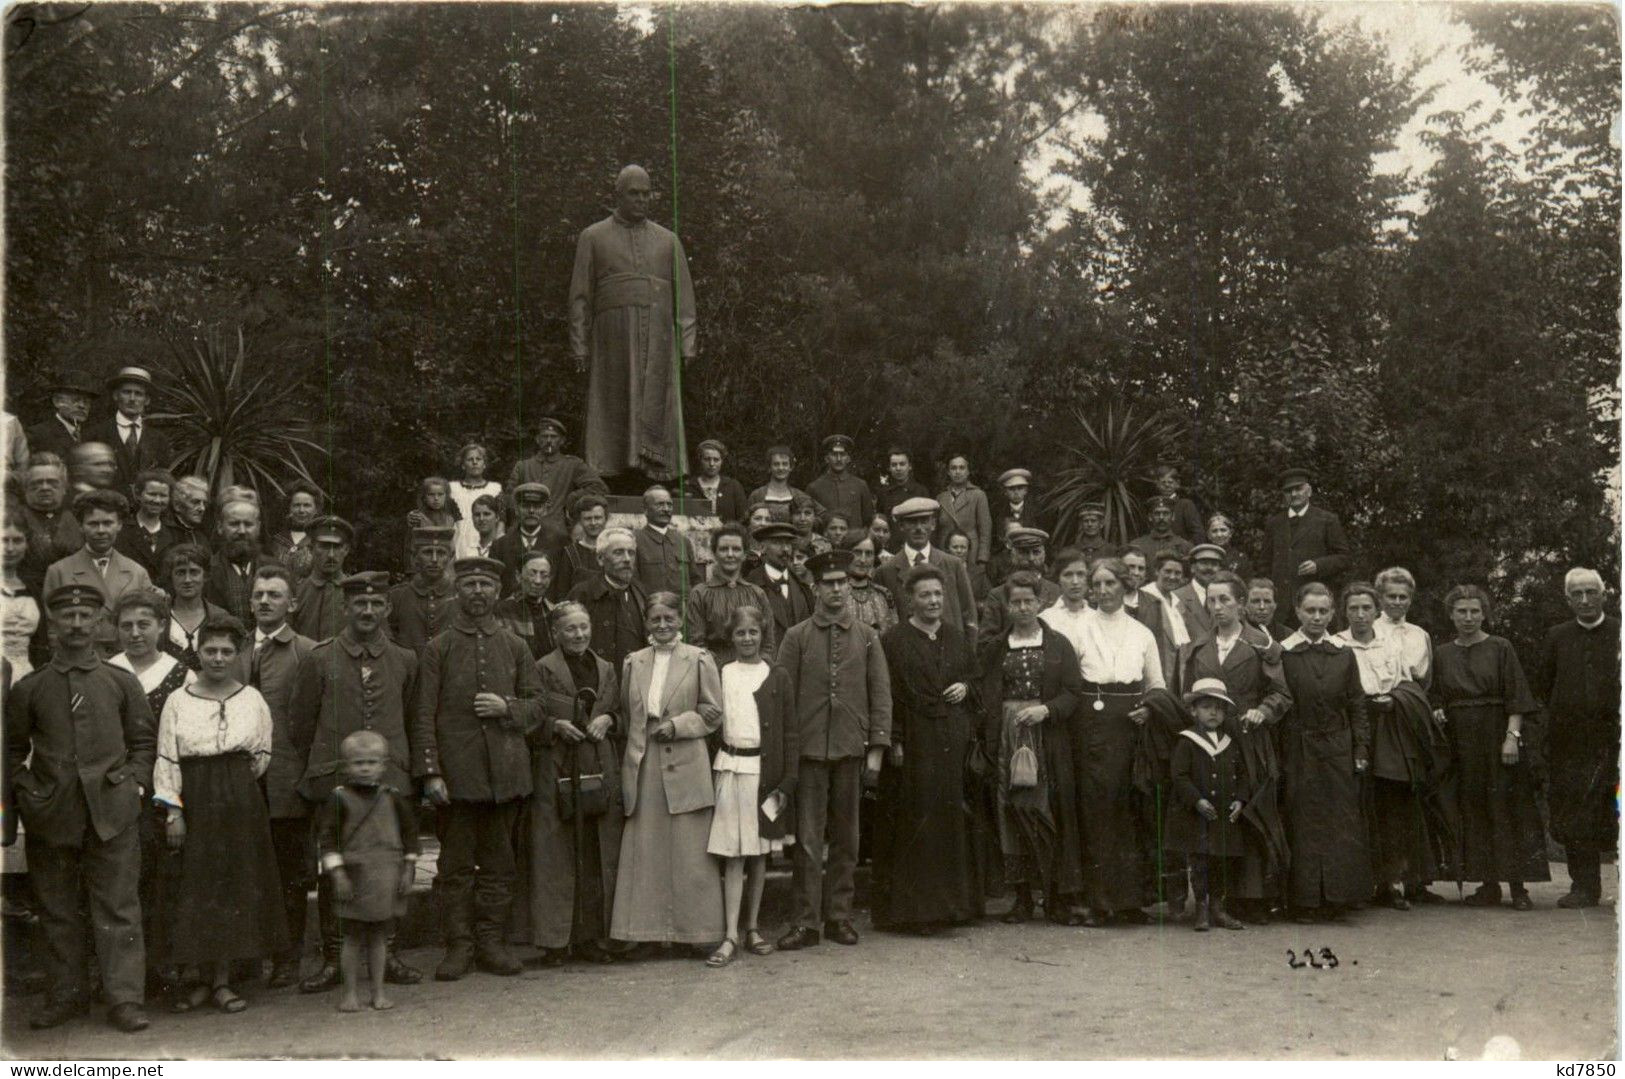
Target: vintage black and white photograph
{"x": 757, "y": 531}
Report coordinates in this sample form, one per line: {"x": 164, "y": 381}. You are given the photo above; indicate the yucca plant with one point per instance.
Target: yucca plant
{"x": 1112, "y": 451}
{"x": 232, "y": 419}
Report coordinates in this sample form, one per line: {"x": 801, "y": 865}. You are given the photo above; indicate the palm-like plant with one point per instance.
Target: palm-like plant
{"x": 1112, "y": 451}
{"x": 232, "y": 420}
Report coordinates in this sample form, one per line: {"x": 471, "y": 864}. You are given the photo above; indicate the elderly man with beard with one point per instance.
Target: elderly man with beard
{"x": 614, "y": 599}
{"x": 53, "y": 532}
{"x": 359, "y": 680}
{"x": 231, "y": 576}
{"x": 666, "y": 558}
{"x": 319, "y": 609}
{"x": 479, "y": 696}
{"x": 711, "y": 605}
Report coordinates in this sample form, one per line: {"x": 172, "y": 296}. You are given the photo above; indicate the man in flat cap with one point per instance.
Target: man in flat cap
{"x": 787, "y": 598}
{"x": 1025, "y": 549}
{"x": 537, "y": 530}
{"x": 358, "y": 680}
{"x": 1159, "y": 515}
{"x": 1303, "y": 543}
{"x": 917, "y": 521}
{"x": 98, "y": 564}
{"x": 421, "y": 607}
{"x": 319, "y": 603}
{"x": 565, "y": 475}
{"x": 667, "y": 561}
{"x": 269, "y": 662}
{"x": 1017, "y": 507}
{"x": 837, "y": 489}
{"x": 71, "y": 394}
{"x": 840, "y": 691}
{"x": 478, "y": 697}
{"x": 79, "y": 743}
{"x": 632, "y": 327}
{"x": 136, "y": 447}
{"x": 1205, "y": 561}
{"x": 707, "y": 481}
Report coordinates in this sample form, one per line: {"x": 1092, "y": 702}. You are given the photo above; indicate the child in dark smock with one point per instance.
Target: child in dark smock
{"x": 367, "y": 839}
{"x": 1209, "y": 791}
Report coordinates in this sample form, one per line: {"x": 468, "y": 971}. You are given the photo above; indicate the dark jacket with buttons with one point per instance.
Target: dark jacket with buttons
{"x": 276, "y": 676}
{"x": 89, "y": 729}
{"x": 345, "y": 686}
{"x": 481, "y": 760}
{"x": 840, "y": 686}
{"x": 1200, "y": 771}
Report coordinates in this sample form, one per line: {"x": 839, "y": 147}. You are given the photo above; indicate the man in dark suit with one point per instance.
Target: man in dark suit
{"x": 789, "y": 598}
{"x": 727, "y": 493}
{"x": 136, "y": 447}
{"x": 98, "y": 564}
{"x": 1017, "y": 507}
{"x": 613, "y": 598}
{"x": 70, "y": 400}
{"x": 917, "y": 519}
{"x": 537, "y": 529}
{"x": 53, "y": 531}
{"x": 87, "y": 735}
{"x": 231, "y": 572}
{"x": 1303, "y": 543}
{"x": 667, "y": 561}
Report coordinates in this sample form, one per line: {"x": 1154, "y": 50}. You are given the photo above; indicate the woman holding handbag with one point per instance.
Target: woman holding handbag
{"x": 755, "y": 770}
{"x": 574, "y": 815}
{"x": 1031, "y": 682}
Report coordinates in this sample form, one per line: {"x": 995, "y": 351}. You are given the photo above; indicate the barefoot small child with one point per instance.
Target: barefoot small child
{"x": 367, "y": 839}
{"x": 1209, "y": 791}
{"x": 755, "y": 774}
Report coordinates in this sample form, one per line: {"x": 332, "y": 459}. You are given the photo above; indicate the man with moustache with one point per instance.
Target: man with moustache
{"x": 70, "y": 402}
{"x": 917, "y": 519}
{"x": 359, "y": 680}
{"x": 565, "y": 476}
{"x": 537, "y": 531}
{"x": 614, "y": 599}
{"x": 319, "y": 613}
{"x": 136, "y": 446}
{"x": 231, "y": 574}
{"x": 479, "y": 696}
{"x": 788, "y": 599}
{"x": 666, "y": 558}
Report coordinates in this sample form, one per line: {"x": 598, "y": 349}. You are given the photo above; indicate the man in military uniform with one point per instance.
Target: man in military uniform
{"x": 1092, "y": 539}
{"x": 1025, "y": 550}
{"x": 837, "y": 489}
{"x": 478, "y": 697}
{"x": 319, "y": 611}
{"x": 79, "y": 746}
{"x": 358, "y": 680}
{"x": 421, "y": 607}
{"x": 564, "y": 475}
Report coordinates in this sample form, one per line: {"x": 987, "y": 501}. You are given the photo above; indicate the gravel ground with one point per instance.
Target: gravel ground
{"x": 1426, "y": 984}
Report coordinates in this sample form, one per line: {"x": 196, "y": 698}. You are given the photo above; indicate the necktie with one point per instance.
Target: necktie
{"x": 260, "y": 649}
{"x": 919, "y": 556}
{"x": 101, "y": 566}
{"x": 132, "y": 441}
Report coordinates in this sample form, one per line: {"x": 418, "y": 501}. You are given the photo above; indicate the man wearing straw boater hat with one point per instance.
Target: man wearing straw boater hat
{"x": 136, "y": 445}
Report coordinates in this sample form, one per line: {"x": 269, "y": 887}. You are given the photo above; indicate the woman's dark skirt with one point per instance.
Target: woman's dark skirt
{"x": 229, "y": 900}
{"x": 1502, "y": 837}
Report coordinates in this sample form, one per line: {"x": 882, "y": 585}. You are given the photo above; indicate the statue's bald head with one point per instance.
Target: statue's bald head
{"x": 629, "y": 175}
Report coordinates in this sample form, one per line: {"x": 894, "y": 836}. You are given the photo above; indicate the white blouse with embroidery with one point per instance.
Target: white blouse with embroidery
{"x": 194, "y": 726}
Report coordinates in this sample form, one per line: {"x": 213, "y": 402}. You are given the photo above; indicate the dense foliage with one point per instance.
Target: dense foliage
{"x": 386, "y": 199}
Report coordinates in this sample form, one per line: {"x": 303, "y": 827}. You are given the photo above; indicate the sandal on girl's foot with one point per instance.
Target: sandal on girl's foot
{"x": 226, "y": 1000}
{"x": 724, "y": 954}
{"x": 756, "y": 944}
{"x": 190, "y": 997}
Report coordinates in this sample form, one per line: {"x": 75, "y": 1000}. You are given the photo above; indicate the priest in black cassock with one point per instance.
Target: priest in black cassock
{"x": 926, "y": 858}
{"x": 1578, "y": 679}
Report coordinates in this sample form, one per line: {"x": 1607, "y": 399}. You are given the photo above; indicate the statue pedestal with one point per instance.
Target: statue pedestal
{"x": 696, "y": 517}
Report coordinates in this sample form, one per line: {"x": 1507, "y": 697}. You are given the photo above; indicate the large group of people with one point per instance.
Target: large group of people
{"x": 616, "y": 729}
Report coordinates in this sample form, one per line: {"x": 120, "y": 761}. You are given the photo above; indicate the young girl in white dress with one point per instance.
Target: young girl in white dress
{"x": 755, "y": 773}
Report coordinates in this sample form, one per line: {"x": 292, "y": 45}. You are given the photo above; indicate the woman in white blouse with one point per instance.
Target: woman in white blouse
{"x": 472, "y": 459}
{"x": 214, "y": 742}
{"x": 1120, "y": 664}
{"x": 1395, "y": 589}
{"x": 1402, "y": 758}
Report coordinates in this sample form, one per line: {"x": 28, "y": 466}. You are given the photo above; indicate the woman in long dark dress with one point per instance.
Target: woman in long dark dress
{"x": 1325, "y": 750}
{"x": 572, "y": 852}
{"x": 1482, "y": 697}
{"x": 139, "y": 618}
{"x": 1030, "y": 685}
{"x": 1249, "y": 664}
{"x": 928, "y": 853}
{"x": 214, "y": 742}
